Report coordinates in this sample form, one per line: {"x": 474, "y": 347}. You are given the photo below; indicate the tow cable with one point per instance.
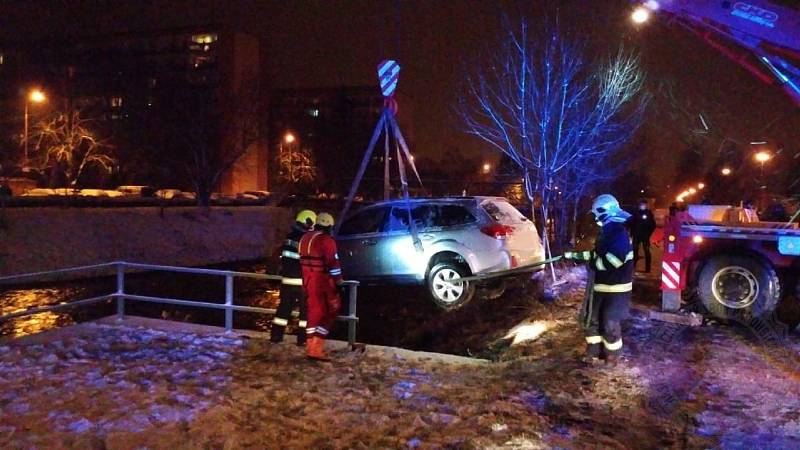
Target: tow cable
{"x": 508, "y": 272}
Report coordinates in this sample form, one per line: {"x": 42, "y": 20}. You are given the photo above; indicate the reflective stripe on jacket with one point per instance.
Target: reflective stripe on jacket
{"x": 290, "y": 257}
{"x": 318, "y": 255}
{"x": 613, "y": 259}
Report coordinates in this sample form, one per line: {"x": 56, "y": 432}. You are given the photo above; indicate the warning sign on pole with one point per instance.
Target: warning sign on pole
{"x": 388, "y": 75}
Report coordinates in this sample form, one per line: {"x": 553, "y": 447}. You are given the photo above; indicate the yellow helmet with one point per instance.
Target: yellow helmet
{"x": 307, "y": 217}
{"x": 325, "y": 220}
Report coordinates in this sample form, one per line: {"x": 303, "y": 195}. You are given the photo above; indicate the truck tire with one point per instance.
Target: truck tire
{"x": 446, "y": 295}
{"x": 738, "y": 286}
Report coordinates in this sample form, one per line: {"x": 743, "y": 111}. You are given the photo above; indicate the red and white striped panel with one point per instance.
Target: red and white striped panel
{"x": 388, "y": 75}
{"x": 670, "y": 275}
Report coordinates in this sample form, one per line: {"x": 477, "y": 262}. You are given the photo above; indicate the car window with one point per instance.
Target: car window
{"x": 424, "y": 216}
{"x": 453, "y": 215}
{"x": 502, "y": 212}
{"x": 366, "y": 221}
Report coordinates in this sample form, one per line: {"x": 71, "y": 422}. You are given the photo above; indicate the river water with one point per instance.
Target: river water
{"x": 250, "y": 292}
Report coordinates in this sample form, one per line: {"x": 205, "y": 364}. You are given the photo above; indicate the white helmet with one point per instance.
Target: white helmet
{"x": 606, "y": 209}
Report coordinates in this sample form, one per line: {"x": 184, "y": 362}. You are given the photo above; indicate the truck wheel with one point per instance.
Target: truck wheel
{"x": 735, "y": 286}
{"x": 445, "y": 294}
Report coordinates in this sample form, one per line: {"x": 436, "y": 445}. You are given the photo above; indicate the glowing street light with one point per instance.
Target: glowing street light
{"x": 762, "y": 157}
{"x": 726, "y": 171}
{"x": 701, "y": 185}
{"x": 487, "y": 167}
{"x": 692, "y": 190}
{"x": 640, "y": 15}
{"x": 34, "y": 96}
{"x": 288, "y": 139}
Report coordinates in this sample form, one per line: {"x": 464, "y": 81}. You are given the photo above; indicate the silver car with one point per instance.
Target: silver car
{"x": 460, "y": 236}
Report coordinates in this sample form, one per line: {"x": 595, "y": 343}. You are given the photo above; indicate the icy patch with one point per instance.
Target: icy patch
{"x": 107, "y": 378}
{"x": 535, "y": 400}
{"x": 402, "y": 390}
{"x": 80, "y": 426}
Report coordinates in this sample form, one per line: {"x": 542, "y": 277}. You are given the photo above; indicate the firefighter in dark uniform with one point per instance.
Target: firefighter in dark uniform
{"x": 642, "y": 225}
{"x": 292, "y": 280}
{"x": 322, "y": 273}
{"x": 612, "y": 263}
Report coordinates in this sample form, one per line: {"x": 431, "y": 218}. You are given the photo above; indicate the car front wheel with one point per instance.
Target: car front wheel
{"x": 445, "y": 292}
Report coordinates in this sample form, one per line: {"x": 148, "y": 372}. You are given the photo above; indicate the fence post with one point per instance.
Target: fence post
{"x": 120, "y": 290}
{"x": 228, "y": 302}
{"x": 352, "y": 295}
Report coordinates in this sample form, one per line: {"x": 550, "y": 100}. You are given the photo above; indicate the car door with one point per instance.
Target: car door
{"x": 402, "y": 261}
{"x": 357, "y": 243}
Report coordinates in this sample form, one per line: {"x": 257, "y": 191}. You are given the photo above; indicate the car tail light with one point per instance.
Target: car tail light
{"x": 497, "y": 231}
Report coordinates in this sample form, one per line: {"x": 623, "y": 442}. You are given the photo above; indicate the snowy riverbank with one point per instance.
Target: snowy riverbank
{"x": 124, "y": 387}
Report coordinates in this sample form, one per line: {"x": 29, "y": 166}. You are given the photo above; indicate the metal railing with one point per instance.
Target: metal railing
{"x": 121, "y": 296}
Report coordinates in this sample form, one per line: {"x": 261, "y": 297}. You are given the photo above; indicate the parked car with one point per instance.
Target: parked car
{"x": 46, "y": 192}
{"x": 99, "y": 193}
{"x": 460, "y": 236}
{"x": 39, "y": 192}
{"x": 136, "y": 190}
{"x": 169, "y": 194}
{"x": 256, "y": 194}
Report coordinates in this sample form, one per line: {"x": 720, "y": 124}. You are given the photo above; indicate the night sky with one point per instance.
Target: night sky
{"x": 334, "y": 43}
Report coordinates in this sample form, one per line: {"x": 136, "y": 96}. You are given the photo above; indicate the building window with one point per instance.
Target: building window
{"x": 200, "y": 61}
{"x": 206, "y": 38}
{"x": 116, "y": 102}
{"x": 2, "y": 59}
{"x": 313, "y": 112}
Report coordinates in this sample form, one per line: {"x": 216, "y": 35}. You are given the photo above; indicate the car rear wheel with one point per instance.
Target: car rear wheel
{"x": 446, "y": 293}
{"x": 734, "y": 286}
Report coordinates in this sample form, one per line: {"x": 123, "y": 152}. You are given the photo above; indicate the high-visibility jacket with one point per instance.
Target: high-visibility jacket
{"x": 291, "y": 273}
{"x": 318, "y": 256}
{"x": 612, "y": 259}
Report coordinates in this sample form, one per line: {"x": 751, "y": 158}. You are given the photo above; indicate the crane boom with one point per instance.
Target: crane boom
{"x": 759, "y": 35}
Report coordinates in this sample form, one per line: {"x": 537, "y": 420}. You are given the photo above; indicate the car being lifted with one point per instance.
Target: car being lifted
{"x": 459, "y": 236}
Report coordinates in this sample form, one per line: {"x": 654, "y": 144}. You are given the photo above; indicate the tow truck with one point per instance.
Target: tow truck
{"x": 737, "y": 265}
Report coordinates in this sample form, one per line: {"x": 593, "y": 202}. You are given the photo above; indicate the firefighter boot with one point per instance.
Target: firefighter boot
{"x": 592, "y": 355}
{"x": 276, "y": 333}
{"x": 301, "y": 337}
{"x": 314, "y": 348}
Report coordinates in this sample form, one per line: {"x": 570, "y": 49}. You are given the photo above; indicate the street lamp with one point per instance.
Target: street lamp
{"x": 762, "y": 157}
{"x": 487, "y": 167}
{"x": 701, "y": 185}
{"x": 35, "y": 96}
{"x": 725, "y": 171}
{"x": 289, "y": 139}
{"x": 640, "y": 15}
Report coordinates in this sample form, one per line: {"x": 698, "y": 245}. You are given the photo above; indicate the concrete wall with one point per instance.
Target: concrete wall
{"x": 37, "y": 239}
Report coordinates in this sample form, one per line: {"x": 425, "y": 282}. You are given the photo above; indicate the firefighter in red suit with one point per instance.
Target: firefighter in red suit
{"x": 321, "y": 275}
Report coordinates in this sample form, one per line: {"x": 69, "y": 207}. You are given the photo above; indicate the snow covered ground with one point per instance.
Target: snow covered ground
{"x": 99, "y": 385}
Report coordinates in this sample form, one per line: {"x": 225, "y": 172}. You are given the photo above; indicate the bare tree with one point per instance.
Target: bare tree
{"x": 541, "y": 102}
{"x": 209, "y": 128}
{"x": 66, "y": 145}
{"x": 296, "y": 165}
